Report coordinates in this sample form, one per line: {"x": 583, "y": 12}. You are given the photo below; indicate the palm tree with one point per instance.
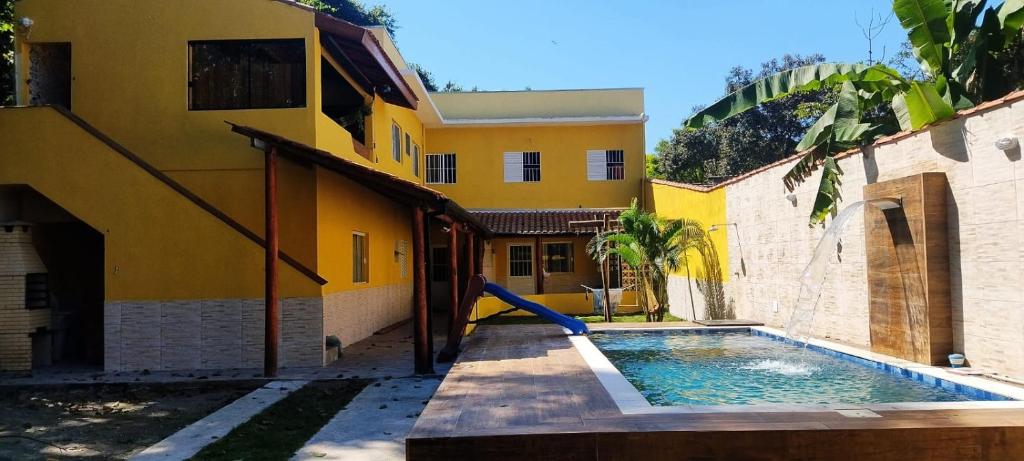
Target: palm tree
{"x": 653, "y": 248}
{"x": 958, "y": 43}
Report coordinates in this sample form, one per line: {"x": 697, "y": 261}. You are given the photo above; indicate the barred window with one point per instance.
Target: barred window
{"x": 247, "y": 74}
{"x": 520, "y": 260}
{"x": 440, "y": 168}
{"x": 614, "y": 165}
{"x": 606, "y": 165}
{"x": 558, "y": 257}
{"x": 522, "y": 167}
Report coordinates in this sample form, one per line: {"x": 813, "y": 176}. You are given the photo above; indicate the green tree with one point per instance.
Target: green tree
{"x": 749, "y": 140}
{"x": 653, "y": 248}
{"x": 425, "y": 76}
{"x": 963, "y": 48}
{"x": 6, "y": 52}
{"x": 357, "y": 13}
{"x": 652, "y": 164}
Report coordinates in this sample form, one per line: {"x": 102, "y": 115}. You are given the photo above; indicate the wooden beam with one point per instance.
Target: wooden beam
{"x": 271, "y": 319}
{"x": 420, "y": 308}
{"x": 538, "y": 270}
{"x": 470, "y": 259}
{"x": 453, "y": 276}
{"x": 606, "y": 276}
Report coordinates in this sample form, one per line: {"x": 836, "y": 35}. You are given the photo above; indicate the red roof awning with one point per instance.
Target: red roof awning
{"x": 362, "y": 56}
{"x": 542, "y": 222}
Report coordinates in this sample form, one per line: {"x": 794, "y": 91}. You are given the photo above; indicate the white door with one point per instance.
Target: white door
{"x": 520, "y": 278}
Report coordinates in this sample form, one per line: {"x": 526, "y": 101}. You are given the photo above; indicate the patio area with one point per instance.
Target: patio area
{"x": 525, "y": 392}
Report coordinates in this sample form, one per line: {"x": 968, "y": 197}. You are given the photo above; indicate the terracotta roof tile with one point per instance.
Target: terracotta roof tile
{"x": 540, "y": 222}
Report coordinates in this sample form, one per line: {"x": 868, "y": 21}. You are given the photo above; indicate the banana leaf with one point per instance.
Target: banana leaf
{"x": 773, "y": 87}
{"x": 926, "y": 24}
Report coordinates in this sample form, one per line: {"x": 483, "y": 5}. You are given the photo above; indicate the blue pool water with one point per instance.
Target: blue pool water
{"x": 738, "y": 368}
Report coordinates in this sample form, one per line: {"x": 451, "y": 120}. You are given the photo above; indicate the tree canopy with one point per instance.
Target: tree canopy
{"x": 356, "y": 12}
{"x": 757, "y": 137}
{"x": 6, "y": 52}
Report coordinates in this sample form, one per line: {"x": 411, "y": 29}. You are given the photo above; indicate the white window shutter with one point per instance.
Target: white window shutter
{"x": 513, "y": 167}
{"x": 597, "y": 167}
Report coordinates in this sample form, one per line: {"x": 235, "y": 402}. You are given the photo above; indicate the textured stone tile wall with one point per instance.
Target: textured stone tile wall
{"x": 208, "y": 334}
{"x": 356, "y": 314}
{"x": 772, "y": 242}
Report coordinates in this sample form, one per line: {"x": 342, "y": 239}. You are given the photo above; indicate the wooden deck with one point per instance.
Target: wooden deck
{"x": 523, "y": 392}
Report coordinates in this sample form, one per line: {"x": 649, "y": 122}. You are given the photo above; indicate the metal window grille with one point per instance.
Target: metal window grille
{"x": 520, "y": 260}
{"x": 615, "y": 165}
{"x": 531, "y": 166}
{"x": 440, "y": 168}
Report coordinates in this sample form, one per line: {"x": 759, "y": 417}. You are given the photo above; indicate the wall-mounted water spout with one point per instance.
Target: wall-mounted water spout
{"x": 886, "y": 203}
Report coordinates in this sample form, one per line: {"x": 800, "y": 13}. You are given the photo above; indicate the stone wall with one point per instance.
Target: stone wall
{"x": 772, "y": 242}
{"x": 208, "y": 334}
{"x": 357, "y": 314}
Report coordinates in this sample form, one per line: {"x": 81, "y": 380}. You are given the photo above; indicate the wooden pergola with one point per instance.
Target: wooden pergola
{"x": 426, "y": 205}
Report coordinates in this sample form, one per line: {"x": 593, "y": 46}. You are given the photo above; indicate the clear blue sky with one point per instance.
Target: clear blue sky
{"x": 678, "y": 50}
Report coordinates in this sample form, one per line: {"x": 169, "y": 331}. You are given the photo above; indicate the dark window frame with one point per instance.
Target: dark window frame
{"x": 550, "y": 261}
{"x": 302, "y": 82}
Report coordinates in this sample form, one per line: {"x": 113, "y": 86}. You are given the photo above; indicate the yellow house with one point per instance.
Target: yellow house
{"x": 140, "y": 216}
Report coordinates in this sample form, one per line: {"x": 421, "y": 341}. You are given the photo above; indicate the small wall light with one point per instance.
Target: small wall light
{"x": 26, "y": 22}
{"x": 791, "y": 198}
{"x": 1007, "y": 143}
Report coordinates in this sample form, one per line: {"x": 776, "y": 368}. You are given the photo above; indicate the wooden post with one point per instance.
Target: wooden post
{"x": 607, "y": 277}
{"x": 271, "y": 319}
{"x": 478, "y": 256}
{"x": 538, "y": 269}
{"x": 470, "y": 259}
{"x": 424, "y": 363}
{"x": 453, "y": 276}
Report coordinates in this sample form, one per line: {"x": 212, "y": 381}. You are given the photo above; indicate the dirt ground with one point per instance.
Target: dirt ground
{"x": 103, "y": 421}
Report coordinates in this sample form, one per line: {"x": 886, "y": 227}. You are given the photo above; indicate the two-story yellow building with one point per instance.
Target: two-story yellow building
{"x": 134, "y": 220}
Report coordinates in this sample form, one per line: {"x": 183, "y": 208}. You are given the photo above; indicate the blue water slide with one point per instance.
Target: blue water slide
{"x": 576, "y": 326}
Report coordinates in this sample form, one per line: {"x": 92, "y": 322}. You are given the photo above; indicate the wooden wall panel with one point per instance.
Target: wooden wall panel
{"x": 908, "y": 269}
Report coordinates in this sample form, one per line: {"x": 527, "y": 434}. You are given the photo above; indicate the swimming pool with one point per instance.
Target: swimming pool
{"x": 755, "y": 367}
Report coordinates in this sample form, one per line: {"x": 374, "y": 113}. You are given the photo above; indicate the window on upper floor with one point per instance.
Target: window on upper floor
{"x": 49, "y": 74}
{"x": 396, "y": 142}
{"x": 605, "y": 165}
{"x": 440, "y": 168}
{"x": 408, "y": 145}
{"x": 416, "y": 160}
{"x": 360, "y": 258}
{"x": 247, "y": 74}
{"x": 558, "y": 257}
{"x": 522, "y": 166}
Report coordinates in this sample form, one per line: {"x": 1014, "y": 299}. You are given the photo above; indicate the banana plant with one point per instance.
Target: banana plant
{"x": 956, "y": 53}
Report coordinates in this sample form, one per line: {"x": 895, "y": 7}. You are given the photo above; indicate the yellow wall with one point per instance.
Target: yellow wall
{"x": 383, "y": 115}
{"x": 607, "y": 102}
{"x": 480, "y": 165}
{"x": 346, "y": 207}
{"x": 130, "y": 70}
{"x": 158, "y": 245}
{"x": 705, "y": 207}
{"x": 585, "y": 270}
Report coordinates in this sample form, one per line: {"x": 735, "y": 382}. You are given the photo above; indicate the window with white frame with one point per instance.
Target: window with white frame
{"x": 396, "y": 142}
{"x": 522, "y": 166}
{"x": 416, "y": 160}
{"x": 360, "y": 258}
{"x": 440, "y": 168}
{"x": 558, "y": 257}
{"x": 520, "y": 260}
{"x": 606, "y": 165}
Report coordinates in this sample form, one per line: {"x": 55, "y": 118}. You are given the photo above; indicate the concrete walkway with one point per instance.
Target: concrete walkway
{"x": 187, "y": 442}
{"x": 374, "y": 425}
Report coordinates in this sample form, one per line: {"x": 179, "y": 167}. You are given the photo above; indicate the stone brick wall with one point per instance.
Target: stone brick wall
{"x": 208, "y": 334}
{"x": 356, "y": 314}
{"x": 17, "y": 258}
{"x": 772, "y": 242}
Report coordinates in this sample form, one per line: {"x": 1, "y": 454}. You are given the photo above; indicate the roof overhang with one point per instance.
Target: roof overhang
{"x": 390, "y": 186}
{"x": 546, "y": 121}
{"x": 359, "y": 52}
